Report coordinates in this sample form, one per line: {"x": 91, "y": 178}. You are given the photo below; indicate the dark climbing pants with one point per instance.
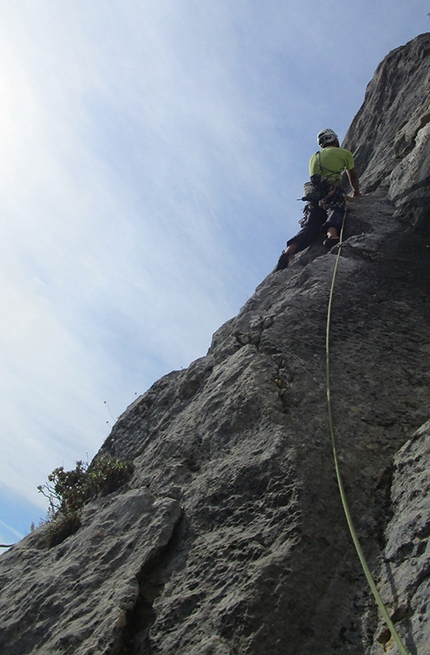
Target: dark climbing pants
{"x": 317, "y": 220}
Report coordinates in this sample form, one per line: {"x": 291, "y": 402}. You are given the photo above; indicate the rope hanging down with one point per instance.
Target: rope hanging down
{"x": 351, "y": 527}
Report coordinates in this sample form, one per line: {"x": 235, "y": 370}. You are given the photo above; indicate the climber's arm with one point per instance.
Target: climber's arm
{"x": 353, "y": 180}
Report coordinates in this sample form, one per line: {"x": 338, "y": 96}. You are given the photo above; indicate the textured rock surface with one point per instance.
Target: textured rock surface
{"x": 230, "y": 538}
{"x": 74, "y": 598}
{"x": 406, "y": 568}
{"x": 390, "y": 134}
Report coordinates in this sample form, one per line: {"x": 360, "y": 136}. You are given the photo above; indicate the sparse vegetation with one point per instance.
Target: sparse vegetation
{"x": 68, "y": 491}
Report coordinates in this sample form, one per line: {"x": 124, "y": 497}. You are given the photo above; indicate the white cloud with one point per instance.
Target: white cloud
{"x": 6, "y": 532}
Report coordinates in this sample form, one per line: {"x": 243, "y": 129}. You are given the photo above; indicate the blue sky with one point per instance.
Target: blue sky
{"x": 151, "y": 157}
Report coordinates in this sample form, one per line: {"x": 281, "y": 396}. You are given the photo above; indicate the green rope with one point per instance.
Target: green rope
{"x": 352, "y": 530}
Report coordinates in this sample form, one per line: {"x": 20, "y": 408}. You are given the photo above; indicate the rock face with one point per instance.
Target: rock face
{"x": 230, "y": 538}
{"x": 390, "y": 134}
{"x": 406, "y": 565}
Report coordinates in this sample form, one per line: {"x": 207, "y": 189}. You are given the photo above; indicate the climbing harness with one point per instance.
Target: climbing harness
{"x": 345, "y": 505}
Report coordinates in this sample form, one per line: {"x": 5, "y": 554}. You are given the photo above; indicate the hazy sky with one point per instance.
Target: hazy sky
{"x": 151, "y": 157}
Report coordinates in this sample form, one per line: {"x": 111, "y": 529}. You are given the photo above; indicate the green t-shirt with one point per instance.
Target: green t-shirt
{"x": 333, "y": 162}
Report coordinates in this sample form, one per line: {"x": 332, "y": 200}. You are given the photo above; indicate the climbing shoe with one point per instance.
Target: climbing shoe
{"x": 283, "y": 262}
{"x": 330, "y": 242}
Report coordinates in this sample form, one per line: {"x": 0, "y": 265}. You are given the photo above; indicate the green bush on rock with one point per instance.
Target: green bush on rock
{"x": 68, "y": 491}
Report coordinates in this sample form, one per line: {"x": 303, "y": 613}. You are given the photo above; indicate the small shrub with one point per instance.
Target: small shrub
{"x": 68, "y": 491}
{"x": 62, "y": 527}
{"x": 33, "y": 525}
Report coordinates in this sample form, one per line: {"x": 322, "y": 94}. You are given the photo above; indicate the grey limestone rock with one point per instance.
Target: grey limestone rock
{"x": 230, "y": 538}
{"x": 77, "y": 596}
{"x": 405, "y": 575}
{"x": 390, "y": 134}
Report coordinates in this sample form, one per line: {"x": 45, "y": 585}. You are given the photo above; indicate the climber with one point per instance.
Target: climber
{"x": 325, "y": 169}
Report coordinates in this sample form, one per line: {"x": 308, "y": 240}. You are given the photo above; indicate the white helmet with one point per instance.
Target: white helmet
{"x": 326, "y": 136}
